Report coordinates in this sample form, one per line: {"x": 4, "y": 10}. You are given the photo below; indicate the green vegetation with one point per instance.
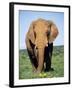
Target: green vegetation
{"x": 25, "y": 67}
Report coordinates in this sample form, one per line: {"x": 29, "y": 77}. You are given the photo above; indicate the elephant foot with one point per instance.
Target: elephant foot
{"x": 38, "y": 72}
{"x": 34, "y": 70}
{"x": 50, "y": 69}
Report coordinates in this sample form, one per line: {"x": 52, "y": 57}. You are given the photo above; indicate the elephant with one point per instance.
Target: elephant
{"x": 39, "y": 43}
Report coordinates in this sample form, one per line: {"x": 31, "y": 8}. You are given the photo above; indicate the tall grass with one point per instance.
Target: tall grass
{"x": 25, "y": 67}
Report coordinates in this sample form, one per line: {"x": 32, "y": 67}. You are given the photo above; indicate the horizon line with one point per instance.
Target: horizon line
{"x": 53, "y": 45}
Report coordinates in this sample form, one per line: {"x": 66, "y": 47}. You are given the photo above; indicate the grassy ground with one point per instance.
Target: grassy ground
{"x": 25, "y": 68}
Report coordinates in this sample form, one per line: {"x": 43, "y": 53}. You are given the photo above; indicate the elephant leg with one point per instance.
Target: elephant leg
{"x": 30, "y": 49}
{"x": 32, "y": 59}
{"x": 48, "y": 56}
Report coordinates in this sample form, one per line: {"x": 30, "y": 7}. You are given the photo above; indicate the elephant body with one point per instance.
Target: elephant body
{"x": 39, "y": 42}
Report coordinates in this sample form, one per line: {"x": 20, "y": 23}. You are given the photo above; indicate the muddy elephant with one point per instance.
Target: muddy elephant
{"x": 39, "y": 42}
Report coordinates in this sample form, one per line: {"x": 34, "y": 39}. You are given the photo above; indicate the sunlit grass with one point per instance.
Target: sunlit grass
{"x": 25, "y": 67}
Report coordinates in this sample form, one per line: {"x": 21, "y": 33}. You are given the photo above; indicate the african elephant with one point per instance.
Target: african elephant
{"x": 39, "y": 42}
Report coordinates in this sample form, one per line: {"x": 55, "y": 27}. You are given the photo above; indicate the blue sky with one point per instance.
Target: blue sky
{"x": 26, "y": 17}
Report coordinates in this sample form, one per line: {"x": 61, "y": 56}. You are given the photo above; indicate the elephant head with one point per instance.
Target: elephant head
{"x": 42, "y": 32}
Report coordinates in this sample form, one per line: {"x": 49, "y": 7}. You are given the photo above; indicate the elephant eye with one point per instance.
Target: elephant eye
{"x": 35, "y": 34}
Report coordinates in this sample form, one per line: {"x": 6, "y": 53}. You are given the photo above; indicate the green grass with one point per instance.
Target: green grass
{"x": 25, "y": 67}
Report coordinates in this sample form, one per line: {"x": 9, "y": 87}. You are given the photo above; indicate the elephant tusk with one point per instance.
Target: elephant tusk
{"x": 46, "y": 45}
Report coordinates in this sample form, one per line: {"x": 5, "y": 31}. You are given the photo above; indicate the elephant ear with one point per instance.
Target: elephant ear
{"x": 53, "y": 32}
{"x": 31, "y": 34}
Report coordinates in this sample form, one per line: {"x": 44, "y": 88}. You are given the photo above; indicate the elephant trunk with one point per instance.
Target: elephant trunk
{"x": 40, "y": 59}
